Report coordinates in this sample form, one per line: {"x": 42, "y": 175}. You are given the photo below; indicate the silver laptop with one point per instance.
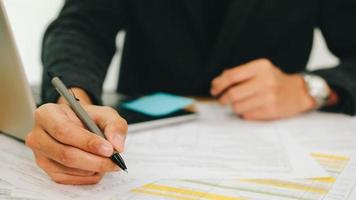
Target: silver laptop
{"x": 16, "y": 102}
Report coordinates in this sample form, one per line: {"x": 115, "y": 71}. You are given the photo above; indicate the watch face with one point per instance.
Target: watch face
{"x": 318, "y": 89}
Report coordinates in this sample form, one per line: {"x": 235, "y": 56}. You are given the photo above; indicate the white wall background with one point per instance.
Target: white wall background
{"x": 29, "y": 18}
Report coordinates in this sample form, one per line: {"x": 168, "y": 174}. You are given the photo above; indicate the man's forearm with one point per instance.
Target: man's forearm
{"x": 79, "y": 46}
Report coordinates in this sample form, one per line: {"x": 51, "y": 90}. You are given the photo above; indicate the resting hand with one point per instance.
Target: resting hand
{"x": 259, "y": 90}
{"x": 68, "y": 152}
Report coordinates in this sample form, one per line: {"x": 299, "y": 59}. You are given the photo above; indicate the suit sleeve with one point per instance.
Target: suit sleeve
{"x": 79, "y": 45}
{"x": 337, "y": 21}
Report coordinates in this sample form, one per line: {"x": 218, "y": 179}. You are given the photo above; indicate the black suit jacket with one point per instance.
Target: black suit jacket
{"x": 166, "y": 46}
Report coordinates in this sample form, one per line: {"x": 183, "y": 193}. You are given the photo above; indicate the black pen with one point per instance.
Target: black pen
{"x": 84, "y": 117}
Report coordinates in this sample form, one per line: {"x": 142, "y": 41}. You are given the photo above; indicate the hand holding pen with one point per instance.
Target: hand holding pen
{"x": 67, "y": 151}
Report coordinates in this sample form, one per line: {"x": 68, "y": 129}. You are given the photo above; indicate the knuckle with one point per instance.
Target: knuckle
{"x": 42, "y": 163}
{"x": 265, "y": 62}
{"x": 66, "y": 157}
{"x": 226, "y": 72}
{"x": 122, "y": 125}
{"x": 103, "y": 165}
{"x": 228, "y": 75}
{"x": 57, "y": 178}
{"x": 214, "y": 82}
{"x": 92, "y": 143}
{"x": 117, "y": 123}
{"x": 110, "y": 110}
{"x": 96, "y": 179}
{"x": 47, "y": 106}
{"x": 30, "y": 140}
{"x": 123, "y": 121}
{"x": 60, "y": 129}
{"x": 38, "y": 113}
{"x": 266, "y": 68}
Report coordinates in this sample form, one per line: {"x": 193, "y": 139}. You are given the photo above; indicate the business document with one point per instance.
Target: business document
{"x": 201, "y": 150}
{"x": 286, "y": 146}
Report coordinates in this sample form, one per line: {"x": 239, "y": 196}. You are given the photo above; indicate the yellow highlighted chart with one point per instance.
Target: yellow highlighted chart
{"x": 333, "y": 164}
{"x": 255, "y": 189}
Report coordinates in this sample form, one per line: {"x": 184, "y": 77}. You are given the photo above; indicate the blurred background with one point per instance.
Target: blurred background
{"x": 29, "y": 19}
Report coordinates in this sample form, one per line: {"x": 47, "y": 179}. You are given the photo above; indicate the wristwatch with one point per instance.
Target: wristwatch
{"x": 318, "y": 89}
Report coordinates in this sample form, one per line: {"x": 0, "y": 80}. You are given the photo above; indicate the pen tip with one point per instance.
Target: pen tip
{"x": 116, "y": 158}
{"x": 126, "y": 171}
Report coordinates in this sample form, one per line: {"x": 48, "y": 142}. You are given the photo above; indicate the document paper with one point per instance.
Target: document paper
{"x": 337, "y": 186}
{"x": 209, "y": 148}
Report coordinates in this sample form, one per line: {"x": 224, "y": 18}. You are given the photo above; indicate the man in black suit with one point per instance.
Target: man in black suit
{"x": 250, "y": 54}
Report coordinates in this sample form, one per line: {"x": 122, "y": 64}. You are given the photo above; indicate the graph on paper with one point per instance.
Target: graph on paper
{"x": 335, "y": 187}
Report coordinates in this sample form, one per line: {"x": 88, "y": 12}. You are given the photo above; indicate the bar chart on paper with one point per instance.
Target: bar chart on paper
{"x": 336, "y": 187}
